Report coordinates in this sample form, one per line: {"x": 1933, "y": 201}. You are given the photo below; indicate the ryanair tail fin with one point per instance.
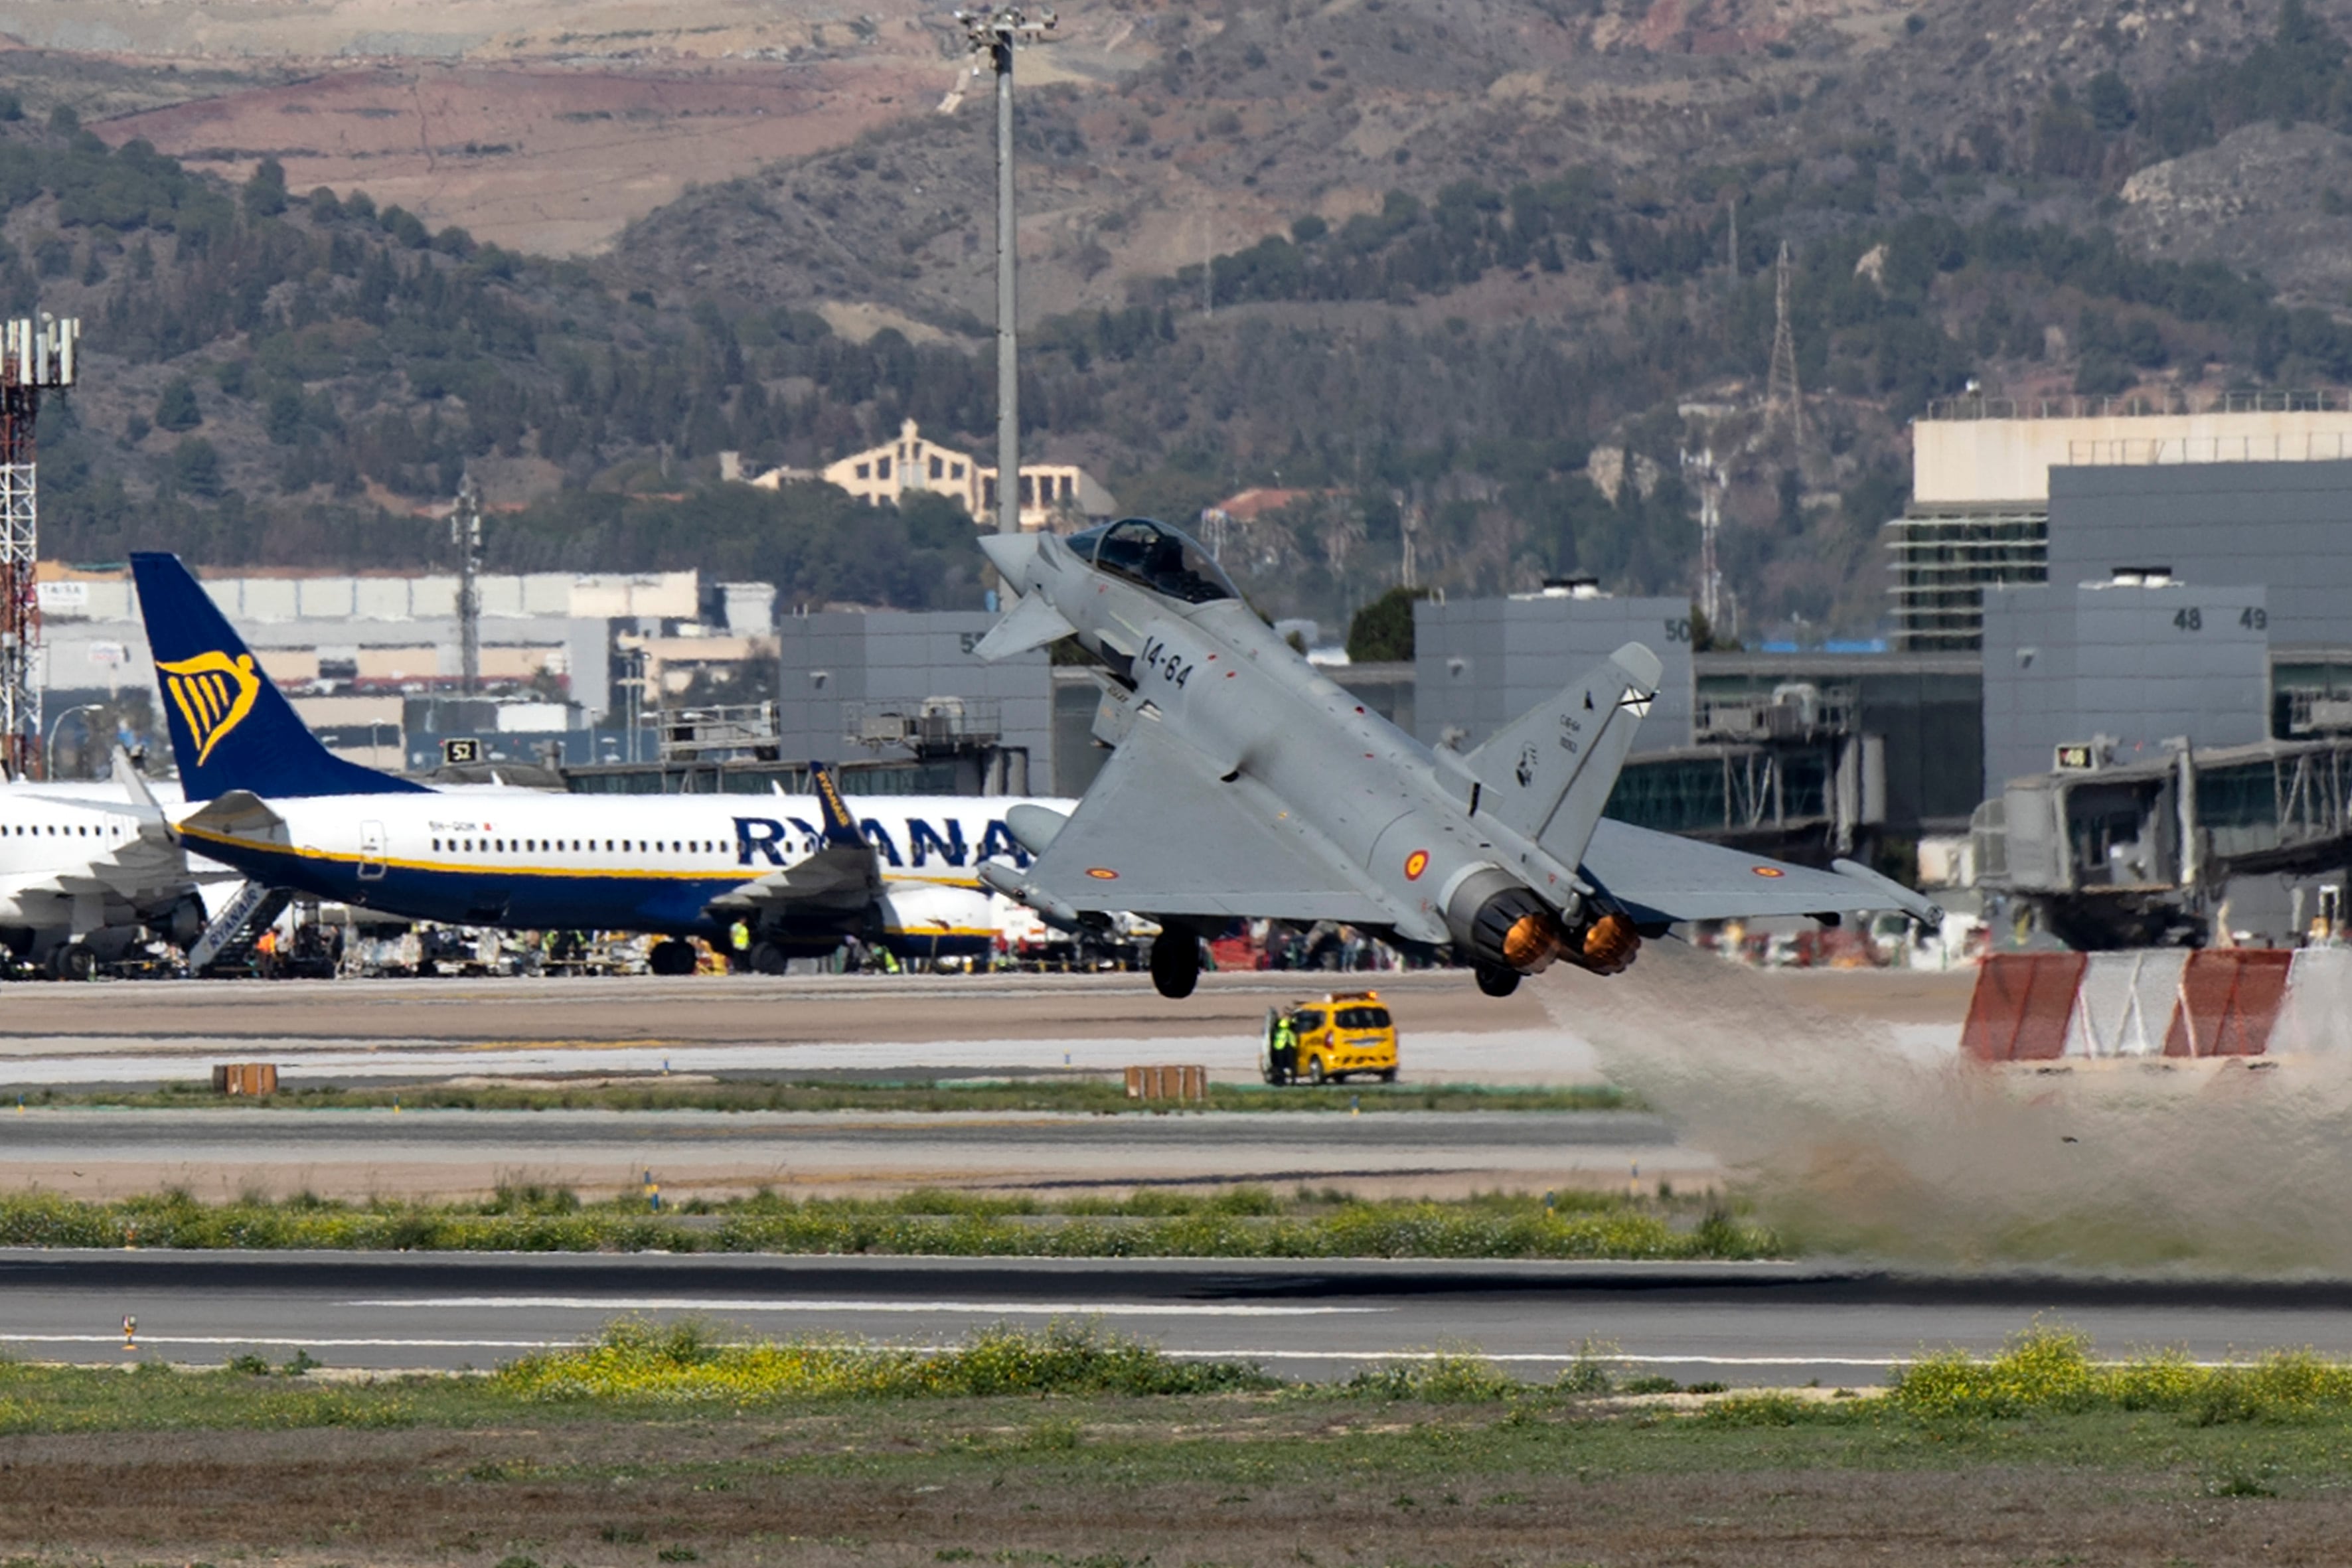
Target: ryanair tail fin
{"x": 1549, "y": 773}
{"x": 231, "y": 729}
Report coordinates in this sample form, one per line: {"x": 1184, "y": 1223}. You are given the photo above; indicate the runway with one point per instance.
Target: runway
{"x": 220, "y": 1154}
{"x": 1743, "y": 1324}
{"x": 393, "y": 1030}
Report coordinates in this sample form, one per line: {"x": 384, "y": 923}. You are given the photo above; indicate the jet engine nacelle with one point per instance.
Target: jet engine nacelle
{"x": 917, "y": 919}
{"x": 1500, "y": 921}
{"x": 182, "y": 924}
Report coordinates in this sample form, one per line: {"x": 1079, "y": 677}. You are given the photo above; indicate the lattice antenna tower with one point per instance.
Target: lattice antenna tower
{"x": 37, "y": 355}
{"x": 1782, "y": 397}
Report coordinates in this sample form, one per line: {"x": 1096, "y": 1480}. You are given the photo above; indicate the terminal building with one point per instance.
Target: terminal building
{"x": 2079, "y": 675}
{"x": 1983, "y": 500}
{"x": 373, "y": 663}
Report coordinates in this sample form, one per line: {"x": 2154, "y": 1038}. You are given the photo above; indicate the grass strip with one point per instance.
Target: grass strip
{"x": 1241, "y": 1223}
{"x": 1074, "y": 1095}
{"x": 635, "y": 1369}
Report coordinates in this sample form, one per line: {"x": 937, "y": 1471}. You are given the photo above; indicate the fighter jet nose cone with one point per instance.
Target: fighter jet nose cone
{"x": 1641, "y": 664}
{"x": 1011, "y": 554}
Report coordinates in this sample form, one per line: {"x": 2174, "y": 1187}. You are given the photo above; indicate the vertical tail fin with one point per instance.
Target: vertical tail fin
{"x": 1549, "y": 773}
{"x": 231, "y": 728}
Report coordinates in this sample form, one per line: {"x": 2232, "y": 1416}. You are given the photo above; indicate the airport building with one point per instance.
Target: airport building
{"x": 1981, "y": 509}
{"x": 373, "y": 663}
{"x": 1480, "y": 663}
{"x": 902, "y": 689}
{"x": 2085, "y": 674}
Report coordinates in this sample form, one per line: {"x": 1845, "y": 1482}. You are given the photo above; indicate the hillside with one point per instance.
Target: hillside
{"x": 1455, "y": 247}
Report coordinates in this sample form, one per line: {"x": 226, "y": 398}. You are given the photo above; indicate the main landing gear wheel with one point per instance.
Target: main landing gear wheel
{"x": 1496, "y": 980}
{"x": 72, "y": 961}
{"x": 671, "y": 957}
{"x": 1175, "y": 963}
{"x": 767, "y": 958}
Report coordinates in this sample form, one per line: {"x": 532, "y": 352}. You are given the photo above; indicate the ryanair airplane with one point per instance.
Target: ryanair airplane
{"x": 86, "y": 868}
{"x": 801, "y": 873}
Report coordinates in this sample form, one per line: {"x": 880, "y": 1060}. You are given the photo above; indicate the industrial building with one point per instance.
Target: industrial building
{"x": 1981, "y": 505}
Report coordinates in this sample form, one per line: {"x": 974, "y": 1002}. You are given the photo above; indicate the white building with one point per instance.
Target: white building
{"x": 1050, "y": 492}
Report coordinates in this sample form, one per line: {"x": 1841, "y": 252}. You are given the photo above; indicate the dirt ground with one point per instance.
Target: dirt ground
{"x": 836, "y": 1492}
{"x": 537, "y": 157}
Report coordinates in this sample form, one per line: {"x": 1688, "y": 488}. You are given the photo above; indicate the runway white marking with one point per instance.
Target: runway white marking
{"x": 726, "y": 1304}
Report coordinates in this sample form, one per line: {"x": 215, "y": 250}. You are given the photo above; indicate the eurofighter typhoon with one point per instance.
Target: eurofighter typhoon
{"x": 1246, "y": 784}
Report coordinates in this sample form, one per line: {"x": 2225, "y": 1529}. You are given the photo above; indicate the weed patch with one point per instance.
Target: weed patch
{"x": 680, "y": 1363}
{"x": 1242, "y": 1222}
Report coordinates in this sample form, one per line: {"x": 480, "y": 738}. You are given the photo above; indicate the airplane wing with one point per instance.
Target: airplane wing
{"x": 1161, "y": 834}
{"x": 834, "y": 879}
{"x": 842, "y": 877}
{"x": 1659, "y": 877}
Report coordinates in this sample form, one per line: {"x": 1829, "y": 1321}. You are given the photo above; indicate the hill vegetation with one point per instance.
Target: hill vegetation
{"x": 1438, "y": 348}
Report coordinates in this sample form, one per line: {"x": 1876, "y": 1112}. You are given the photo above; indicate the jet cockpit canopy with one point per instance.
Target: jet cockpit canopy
{"x": 1156, "y": 556}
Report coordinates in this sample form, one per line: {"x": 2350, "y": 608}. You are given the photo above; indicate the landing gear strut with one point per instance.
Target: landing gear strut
{"x": 1175, "y": 963}
{"x": 1496, "y": 980}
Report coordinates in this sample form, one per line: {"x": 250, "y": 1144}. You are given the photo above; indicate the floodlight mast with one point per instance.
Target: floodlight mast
{"x": 994, "y": 30}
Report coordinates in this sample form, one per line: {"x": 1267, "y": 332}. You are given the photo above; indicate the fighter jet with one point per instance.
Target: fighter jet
{"x": 1244, "y": 783}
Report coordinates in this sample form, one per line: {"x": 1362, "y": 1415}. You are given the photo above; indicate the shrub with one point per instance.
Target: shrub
{"x": 2049, "y": 1369}
{"x": 1443, "y": 1379}
{"x": 680, "y": 1364}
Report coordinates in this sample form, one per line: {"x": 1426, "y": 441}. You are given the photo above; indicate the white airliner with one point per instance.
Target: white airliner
{"x": 84, "y": 865}
{"x": 799, "y": 873}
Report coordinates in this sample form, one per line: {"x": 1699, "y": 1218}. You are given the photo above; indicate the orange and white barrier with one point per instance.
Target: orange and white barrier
{"x": 2163, "y": 1003}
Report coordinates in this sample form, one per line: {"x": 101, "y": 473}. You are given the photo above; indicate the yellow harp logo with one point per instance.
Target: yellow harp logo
{"x": 214, "y": 693}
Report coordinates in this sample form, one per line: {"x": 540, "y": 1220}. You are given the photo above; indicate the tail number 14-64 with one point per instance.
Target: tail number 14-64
{"x": 1158, "y": 656}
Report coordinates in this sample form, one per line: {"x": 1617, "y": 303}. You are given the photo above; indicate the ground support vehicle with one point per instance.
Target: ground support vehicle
{"x": 1346, "y": 1033}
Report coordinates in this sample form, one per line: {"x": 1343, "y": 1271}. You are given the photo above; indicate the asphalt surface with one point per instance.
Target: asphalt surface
{"x": 223, "y": 1152}
{"x": 1743, "y": 1324}
{"x": 389, "y": 1030}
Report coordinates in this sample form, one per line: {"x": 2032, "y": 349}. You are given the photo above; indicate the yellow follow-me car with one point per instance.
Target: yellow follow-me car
{"x": 1346, "y": 1032}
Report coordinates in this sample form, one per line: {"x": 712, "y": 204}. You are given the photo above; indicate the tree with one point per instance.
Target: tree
{"x": 196, "y": 467}
{"x": 177, "y": 408}
{"x": 2110, "y": 103}
{"x": 265, "y": 193}
{"x": 1381, "y": 631}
